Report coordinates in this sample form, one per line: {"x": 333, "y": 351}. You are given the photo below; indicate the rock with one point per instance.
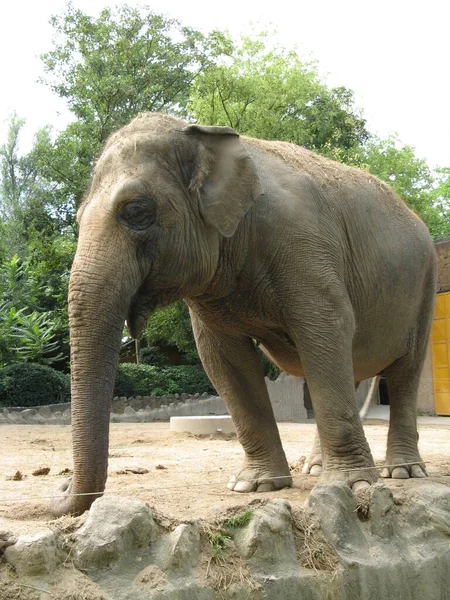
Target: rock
{"x": 151, "y": 578}
{"x": 37, "y": 554}
{"x": 180, "y": 550}
{"x": 58, "y": 414}
{"x": 206, "y": 395}
{"x": 129, "y": 412}
{"x": 17, "y": 419}
{"x": 29, "y": 414}
{"x": 382, "y": 511}
{"x": 6, "y": 539}
{"x": 335, "y": 507}
{"x": 268, "y": 541}
{"x": 115, "y": 528}
{"x": 45, "y": 412}
{"x": 118, "y": 405}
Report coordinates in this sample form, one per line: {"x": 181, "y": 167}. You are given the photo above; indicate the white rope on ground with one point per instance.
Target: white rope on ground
{"x": 217, "y": 483}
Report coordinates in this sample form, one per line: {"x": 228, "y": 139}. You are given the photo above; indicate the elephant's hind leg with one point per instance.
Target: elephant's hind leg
{"x": 402, "y": 379}
{"x": 232, "y": 364}
{"x": 313, "y": 464}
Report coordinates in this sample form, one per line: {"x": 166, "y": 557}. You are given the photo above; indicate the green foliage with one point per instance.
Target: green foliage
{"x": 35, "y": 337}
{"x": 440, "y": 202}
{"x": 25, "y": 384}
{"x": 35, "y": 261}
{"x": 218, "y": 542}
{"x": 147, "y": 380}
{"x": 152, "y": 355}
{"x": 111, "y": 68}
{"x": 239, "y": 521}
{"x": 27, "y": 331}
{"x": 411, "y": 178}
{"x": 171, "y": 326}
{"x": 272, "y": 94}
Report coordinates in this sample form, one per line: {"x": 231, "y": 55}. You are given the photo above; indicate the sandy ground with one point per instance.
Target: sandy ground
{"x": 186, "y": 476}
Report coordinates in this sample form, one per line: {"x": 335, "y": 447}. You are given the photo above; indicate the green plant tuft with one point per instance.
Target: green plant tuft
{"x": 239, "y": 521}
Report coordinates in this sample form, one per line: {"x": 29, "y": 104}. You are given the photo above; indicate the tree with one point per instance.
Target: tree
{"x": 440, "y": 199}
{"x": 17, "y": 176}
{"x": 272, "y": 94}
{"x": 111, "y": 68}
{"x": 411, "y": 178}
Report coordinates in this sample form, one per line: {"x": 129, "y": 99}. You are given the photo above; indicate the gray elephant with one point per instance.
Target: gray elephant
{"x": 320, "y": 264}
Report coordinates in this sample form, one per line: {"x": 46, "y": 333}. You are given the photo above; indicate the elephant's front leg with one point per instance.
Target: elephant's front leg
{"x": 232, "y": 364}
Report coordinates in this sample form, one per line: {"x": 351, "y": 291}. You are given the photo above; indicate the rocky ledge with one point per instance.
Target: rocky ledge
{"x": 389, "y": 543}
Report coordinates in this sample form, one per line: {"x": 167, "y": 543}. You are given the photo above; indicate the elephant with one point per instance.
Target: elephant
{"x": 319, "y": 264}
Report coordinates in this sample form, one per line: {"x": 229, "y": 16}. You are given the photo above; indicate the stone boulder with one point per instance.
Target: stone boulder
{"x": 36, "y": 554}
{"x": 115, "y": 528}
{"x": 267, "y": 543}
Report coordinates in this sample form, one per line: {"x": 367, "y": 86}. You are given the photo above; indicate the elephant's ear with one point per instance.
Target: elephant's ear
{"x": 224, "y": 177}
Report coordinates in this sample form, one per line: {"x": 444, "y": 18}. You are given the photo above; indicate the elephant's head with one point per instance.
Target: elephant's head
{"x": 163, "y": 197}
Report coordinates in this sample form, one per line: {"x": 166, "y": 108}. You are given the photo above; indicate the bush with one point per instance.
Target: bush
{"x": 27, "y": 384}
{"x": 152, "y": 355}
{"x": 148, "y": 380}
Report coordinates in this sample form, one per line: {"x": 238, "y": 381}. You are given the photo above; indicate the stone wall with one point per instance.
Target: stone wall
{"x": 286, "y": 395}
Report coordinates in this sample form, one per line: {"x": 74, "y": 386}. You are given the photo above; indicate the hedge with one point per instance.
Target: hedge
{"x": 27, "y": 384}
{"x": 148, "y": 380}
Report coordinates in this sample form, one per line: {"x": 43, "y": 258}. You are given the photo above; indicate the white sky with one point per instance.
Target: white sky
{"x": 394, "y": 54}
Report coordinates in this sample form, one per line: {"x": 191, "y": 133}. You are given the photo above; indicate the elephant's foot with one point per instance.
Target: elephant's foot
{"x": 67, "y": 502}
{"x": 408, "y": 467}
{"x": 261, "y": 478}
{"x": 358, "y": 475}
{"x": 313, "y": 465}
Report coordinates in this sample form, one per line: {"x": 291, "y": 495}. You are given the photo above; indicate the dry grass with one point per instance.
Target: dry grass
{"x": 362, "y": 498}
{"x": 221, "y": 564}
{"x": 68, "y": 524}
{"x": 313, "y": 551}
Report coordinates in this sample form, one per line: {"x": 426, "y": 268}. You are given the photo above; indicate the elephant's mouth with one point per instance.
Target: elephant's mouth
{"x": 143, "y": 304}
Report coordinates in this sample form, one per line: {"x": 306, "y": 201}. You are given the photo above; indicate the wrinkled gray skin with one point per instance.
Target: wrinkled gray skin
{"x": 322, "y": 265}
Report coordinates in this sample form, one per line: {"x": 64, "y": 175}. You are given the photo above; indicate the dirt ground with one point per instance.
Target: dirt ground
{"x": 186, "y": 476}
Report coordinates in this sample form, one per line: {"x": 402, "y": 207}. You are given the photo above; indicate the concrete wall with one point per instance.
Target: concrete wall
{"x": 286, "y": 396}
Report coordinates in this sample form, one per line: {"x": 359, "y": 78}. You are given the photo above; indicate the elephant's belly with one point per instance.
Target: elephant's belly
{"x": 368, "y": 359}
{"x": 282, "y": 351}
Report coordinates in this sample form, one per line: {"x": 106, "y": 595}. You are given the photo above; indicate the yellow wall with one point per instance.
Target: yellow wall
{"x": 440, "y": 348}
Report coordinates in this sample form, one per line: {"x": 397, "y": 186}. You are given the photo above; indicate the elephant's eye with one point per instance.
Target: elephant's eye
{"x": 138, "y": 214}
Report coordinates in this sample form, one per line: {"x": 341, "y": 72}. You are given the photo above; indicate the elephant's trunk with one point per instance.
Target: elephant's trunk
{"x": 97, "y": 309}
